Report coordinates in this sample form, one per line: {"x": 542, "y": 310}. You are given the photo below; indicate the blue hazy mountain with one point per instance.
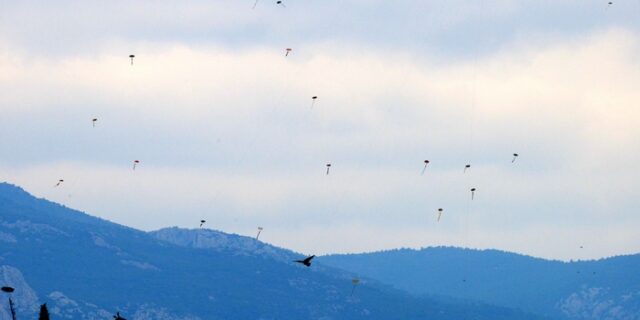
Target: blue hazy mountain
{"x": 602, "y": 289}
{"x": 88, "y": 268}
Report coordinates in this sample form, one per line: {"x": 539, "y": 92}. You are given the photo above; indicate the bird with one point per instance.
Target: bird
{"x": 306, "y": 262}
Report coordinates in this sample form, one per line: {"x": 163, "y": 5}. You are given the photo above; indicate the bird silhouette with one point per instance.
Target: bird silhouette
{"x": 306, "y": 262}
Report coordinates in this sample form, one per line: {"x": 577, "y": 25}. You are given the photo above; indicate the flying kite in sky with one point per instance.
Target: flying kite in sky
{"x": 306, "y": 261}
{"x": 202, "y": 222}
{"x": 426, "y": 162}
{"x": 9, "y": 291}
{"x": 135, "y": 164}
{"x": 439, "y": 214}
{"x": 515, "y": 155}
{"x": 259, "y": 230}
{"x": 328, "y": 167}
{"x": 280, "y": 3}
{"x": 131, "y": 56}
{"x": 466, "y": 167}
{"x": 473, "y": 191}
{"x": 355, "y": 282}
{"x": 287, "y": 51}
{"x": 118, "y": 317}
{"x": 313, "y": 101}
{"x": 255, "y": 4}
{"x": 93, "y": 122}
{"x": 59, "y": 182}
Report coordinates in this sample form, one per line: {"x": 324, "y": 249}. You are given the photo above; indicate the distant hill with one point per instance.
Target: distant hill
{"x": 603, "y": 289}
{"x": 88, "y": 268}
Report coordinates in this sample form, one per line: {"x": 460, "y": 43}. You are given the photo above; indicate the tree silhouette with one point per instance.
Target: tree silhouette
{"x": 44, "y": 313}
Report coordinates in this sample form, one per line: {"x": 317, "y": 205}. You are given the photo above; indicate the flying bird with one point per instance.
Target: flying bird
{"x": 307, "y": 261}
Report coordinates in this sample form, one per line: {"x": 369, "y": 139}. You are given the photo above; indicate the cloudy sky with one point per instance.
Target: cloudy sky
{"x": 223, "y": 124}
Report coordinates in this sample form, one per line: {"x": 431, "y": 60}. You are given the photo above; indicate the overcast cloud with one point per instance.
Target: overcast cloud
{"x": 223, "y": 125}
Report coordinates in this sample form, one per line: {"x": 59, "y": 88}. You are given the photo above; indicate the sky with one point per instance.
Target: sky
{"x": 225, "y": 129}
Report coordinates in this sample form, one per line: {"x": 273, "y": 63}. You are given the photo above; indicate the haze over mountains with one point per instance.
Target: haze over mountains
{"x": 603, "y": 289}
{"x": 88, "y": 268}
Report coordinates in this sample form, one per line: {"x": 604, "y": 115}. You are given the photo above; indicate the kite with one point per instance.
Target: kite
{"x": 426, "y": 162}
{"x": 355, "y": 282}
{"x": 259, "y": 230}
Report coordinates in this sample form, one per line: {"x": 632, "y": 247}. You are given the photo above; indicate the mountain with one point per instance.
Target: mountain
{"x": 84, "y": 267}
{"x": 602, "y": 289}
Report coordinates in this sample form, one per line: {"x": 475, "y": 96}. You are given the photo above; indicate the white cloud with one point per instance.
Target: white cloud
{"x": 231, "y": 134}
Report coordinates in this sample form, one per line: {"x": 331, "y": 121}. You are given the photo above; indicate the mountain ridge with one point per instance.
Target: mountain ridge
{"x": 89, "y": 268}
{"x": 607, "y": 288}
